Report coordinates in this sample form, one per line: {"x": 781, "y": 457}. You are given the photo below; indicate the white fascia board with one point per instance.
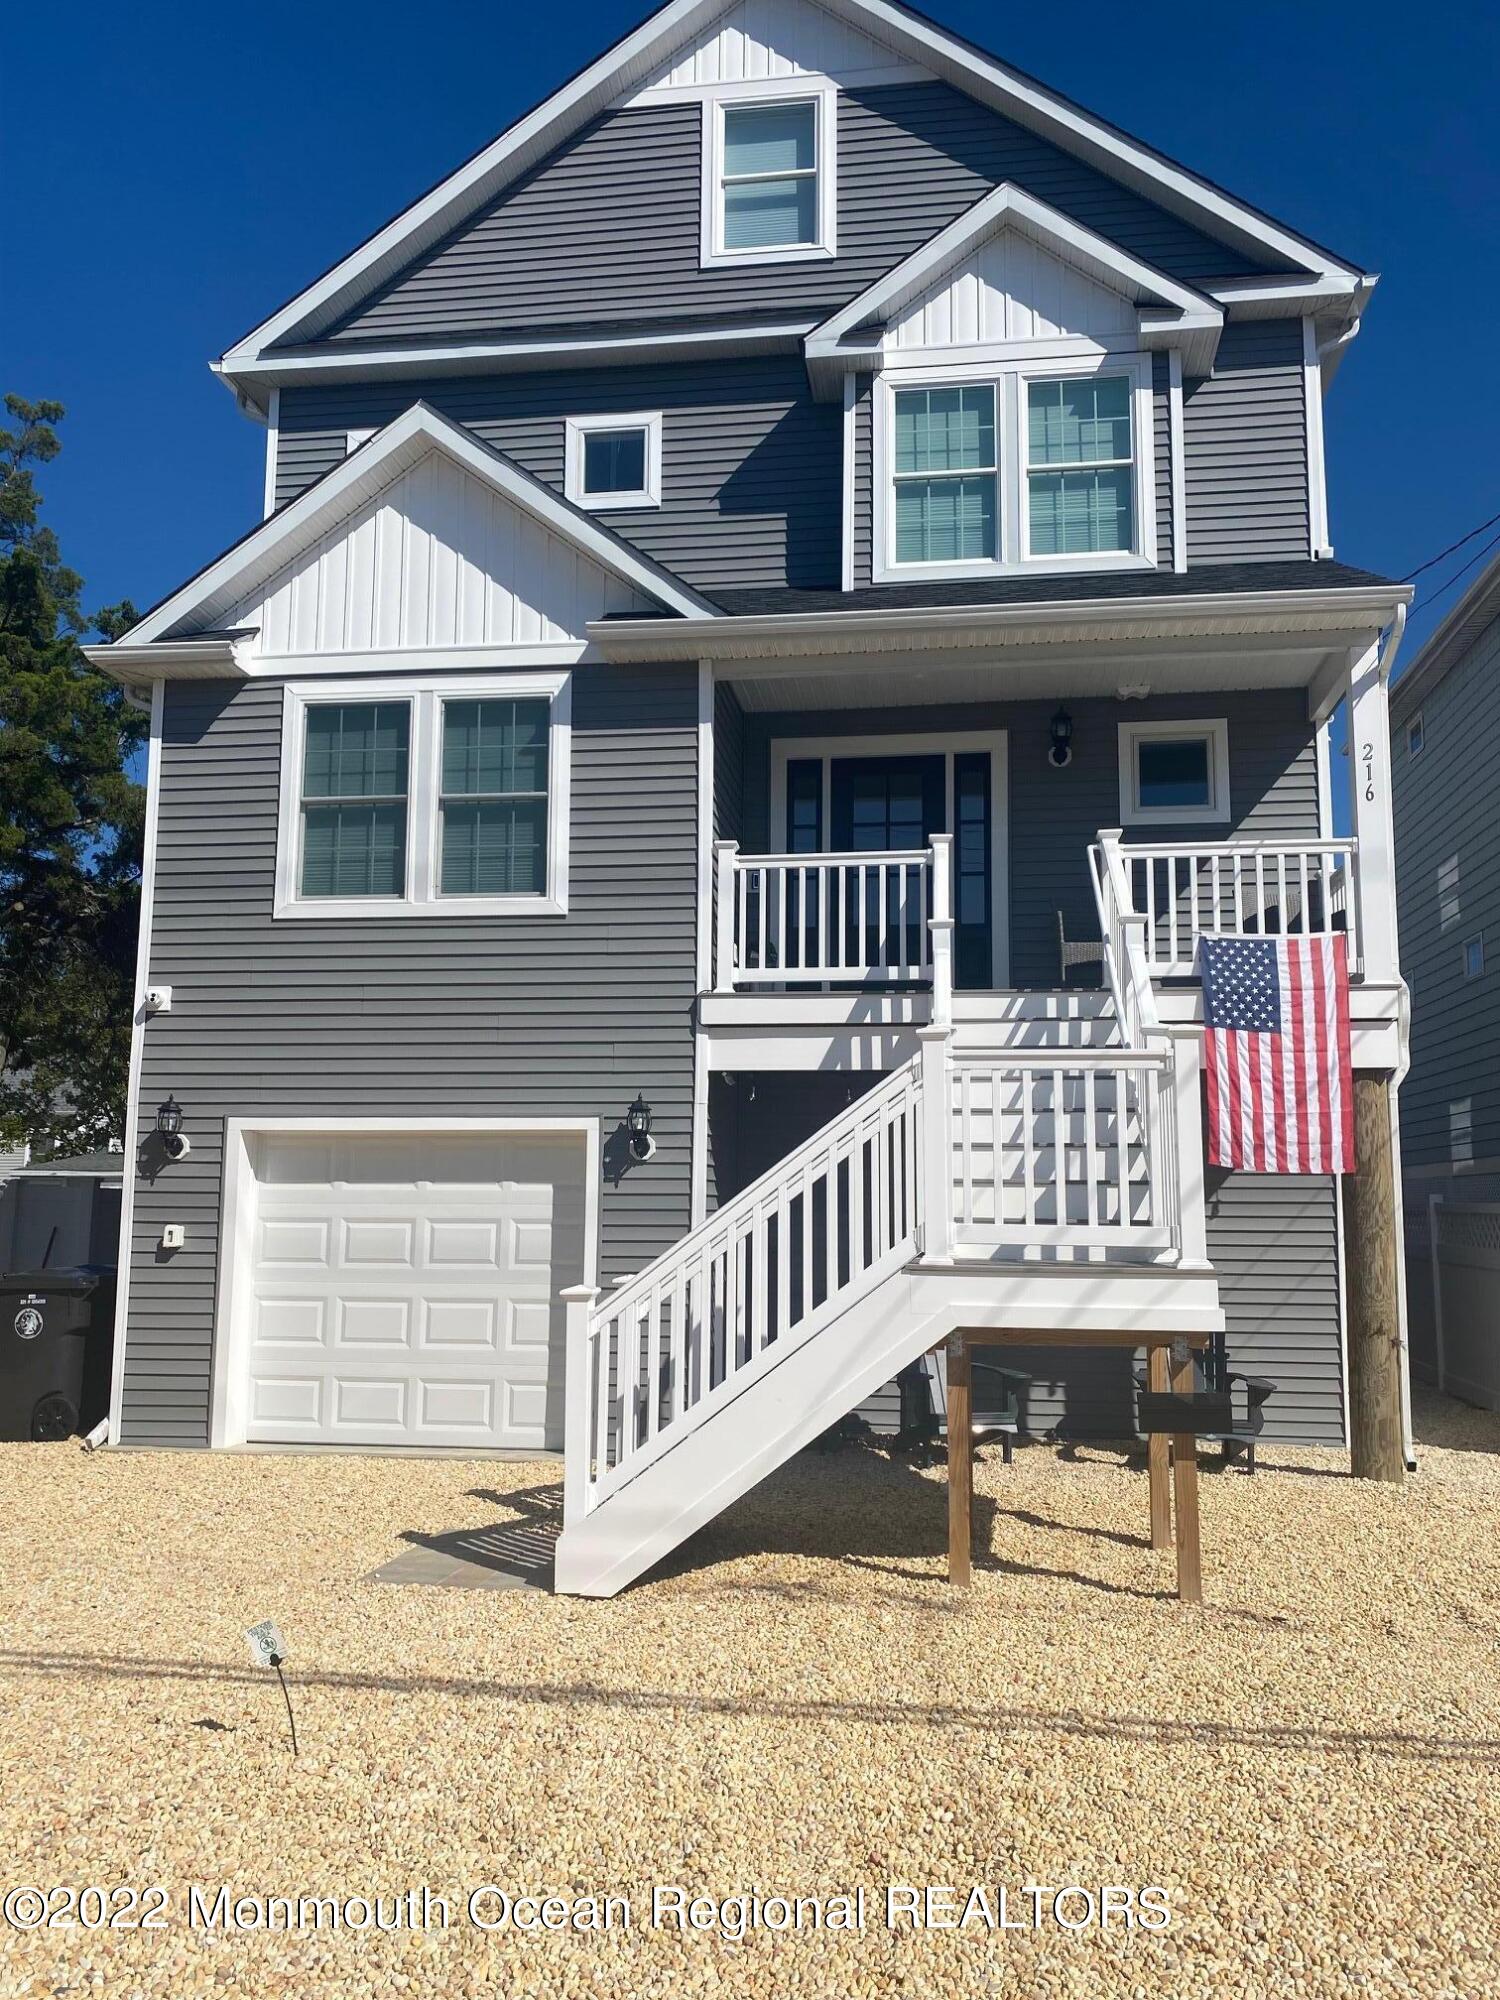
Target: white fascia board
{"x": 366, "y": 472}
{"x": 1170, "y": 312}
{"x": 256, "y": 381}
{"x": 169, "y": 659}
{"x": 984, "y": 625}
{"x": 970, "y": 70}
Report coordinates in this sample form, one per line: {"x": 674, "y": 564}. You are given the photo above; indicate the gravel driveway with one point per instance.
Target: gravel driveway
{"x": 1309, "y": 1767}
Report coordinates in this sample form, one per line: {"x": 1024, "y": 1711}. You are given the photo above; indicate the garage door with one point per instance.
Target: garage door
{"x": 404, "y": 1288}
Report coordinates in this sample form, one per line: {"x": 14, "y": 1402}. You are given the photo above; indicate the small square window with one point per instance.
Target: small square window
{"x": 1415, "y": 735}
{"x": 1474, "y": 956}
{"x": 613, "y": 461}
{"x": 1174, "y": 771}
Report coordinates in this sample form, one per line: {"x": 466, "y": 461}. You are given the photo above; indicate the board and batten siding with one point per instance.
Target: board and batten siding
{"x": 1448, "y": 890}
{"x": 1245, "y": 448}
{"x": 751, "y": 465}
{"x": 607, "y": 228}
{"x": 411, "y": 1017}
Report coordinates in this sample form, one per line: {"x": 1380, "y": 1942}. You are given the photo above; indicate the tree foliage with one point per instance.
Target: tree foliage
{"x": 71, "y": 818}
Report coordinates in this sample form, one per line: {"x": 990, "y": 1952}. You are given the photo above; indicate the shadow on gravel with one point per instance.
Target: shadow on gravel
{"x": 988, "y": 1719}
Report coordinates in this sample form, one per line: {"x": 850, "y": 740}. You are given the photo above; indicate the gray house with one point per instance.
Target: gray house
{"x": 1446, "y": 725}
{"x": 804, "y": 527}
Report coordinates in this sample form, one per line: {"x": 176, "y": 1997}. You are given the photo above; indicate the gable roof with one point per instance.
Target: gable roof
{"x": 635, "y": 59}
{"x": 1450, "y": 640}
{"x": 259, "y": 557}
{"x": 1172, "y": 313}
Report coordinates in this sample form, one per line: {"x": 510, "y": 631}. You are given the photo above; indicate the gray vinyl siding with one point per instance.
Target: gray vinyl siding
{"x": 607, "y": 227}
{"x": 1245, "y": 448}
{"x": 751, "y": 465}
{"x": 423, "y": 1016}
{"x": 1054, "y": 815}
{"x": 1445, "y": 803}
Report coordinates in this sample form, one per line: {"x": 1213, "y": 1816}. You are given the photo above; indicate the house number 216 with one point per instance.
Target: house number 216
{"x": 1367, "y": 755}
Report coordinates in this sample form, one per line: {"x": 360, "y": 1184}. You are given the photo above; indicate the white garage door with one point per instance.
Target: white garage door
{"x": 404, "y": 1288}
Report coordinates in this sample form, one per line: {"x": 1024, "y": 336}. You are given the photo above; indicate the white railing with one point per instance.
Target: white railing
{"x": 1126, "y": 964}
{"x": 1054, "y": 1149}
{"x": 682, "y": 1338}
{"x": 815, "y": 919}
{"x": 1240, "y": 888}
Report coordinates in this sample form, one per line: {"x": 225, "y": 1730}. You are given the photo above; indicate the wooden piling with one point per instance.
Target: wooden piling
{"x": 960, "y": 1459}
{"x": 1159, "y": 1455}
{"x": 1185, "y": 1493}
{"x": 1377, "y": 1448}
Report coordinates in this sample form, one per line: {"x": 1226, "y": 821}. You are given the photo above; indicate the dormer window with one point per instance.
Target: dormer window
{"x": 769, "y": 193}
{"x": 1013, "y": 467}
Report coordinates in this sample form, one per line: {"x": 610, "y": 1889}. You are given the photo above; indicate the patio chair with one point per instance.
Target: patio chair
{"x": 1071, "y": 952}
{"x": 1214, "y": 1374}
{"x": 997, "y": 1401}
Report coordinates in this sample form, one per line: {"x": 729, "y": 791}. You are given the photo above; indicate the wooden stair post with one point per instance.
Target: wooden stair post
{"x": 1159, "y": 1453}
{"x": 960, "y": 1459}
{"x": 1185, "y": 1491}
{"x": 1377, "y": 1448}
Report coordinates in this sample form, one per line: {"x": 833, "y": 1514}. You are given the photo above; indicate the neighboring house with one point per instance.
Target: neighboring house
{"x": 738, "y": 553}
{"x": 1445, "y": 726}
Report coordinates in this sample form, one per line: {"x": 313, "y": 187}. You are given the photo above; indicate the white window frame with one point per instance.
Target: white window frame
{"x": 1215, "y": 732}
{"x": 1010, "y": 374}
{"x": 823, "y": 95}
{"x": 577, "y": 432}
{"x": 1416, "y": 727}
{"x": 425, "y": 695}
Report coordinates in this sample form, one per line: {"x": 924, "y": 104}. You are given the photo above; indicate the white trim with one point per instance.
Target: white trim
{"x": 140, "y": 1015}
{"x": 897, "y": 742}
{"x": 824, "y": 97}
{"x": 703, "y": 942}
{"x": 237, "y": 1217}
{"x": 1415, "y": 722}
{"x": 1177, "y": 446}
{"x": 356, "y": 478}
{"x": 576, "y": 431}
{"x": 273, "y": 442}
{"x": 865, "y": 78}
{"x": 1324, "y": 753}
{"x": 1317, "y": 473}
{"x": 426, "y": 695}
{"x": 846, "y": 512}
{"x": 1012, "y": 556}
{"x": 417, "y": 659}
{"x": 1215, "y": 730}
{"x": 911, "y": 38}
{"x": 360, "y": 435}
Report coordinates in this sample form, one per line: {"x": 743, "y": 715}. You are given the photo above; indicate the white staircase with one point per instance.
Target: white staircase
{"x": 1051, "y": 1186}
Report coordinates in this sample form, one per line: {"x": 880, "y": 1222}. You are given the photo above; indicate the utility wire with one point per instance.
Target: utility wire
{"x": 1433, "y": 561}
{"x": 1433, "y": 595}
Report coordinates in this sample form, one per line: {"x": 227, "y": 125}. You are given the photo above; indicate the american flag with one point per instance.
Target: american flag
{"x": 1276, "y": 1054}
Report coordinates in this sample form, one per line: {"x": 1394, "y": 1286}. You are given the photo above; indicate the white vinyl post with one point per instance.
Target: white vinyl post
{"x": 578, "y": 1390}
{"x": 940, "y": 925}
{"x": 726, "y": 852}
{"x": 937, "y": 1149}
{"x": 1192, "y": 1207}
{"x": 1370, "y": 781}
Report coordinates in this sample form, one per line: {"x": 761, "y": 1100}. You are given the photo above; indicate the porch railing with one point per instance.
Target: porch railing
{"x": 1241, "y": 888}
{"x": 821, "y": 919}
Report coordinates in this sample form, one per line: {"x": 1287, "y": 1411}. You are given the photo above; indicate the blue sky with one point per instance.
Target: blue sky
{"x": 177, "y": 179}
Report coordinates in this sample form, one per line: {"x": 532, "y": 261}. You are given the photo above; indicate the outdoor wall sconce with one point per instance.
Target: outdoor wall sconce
{"x": 1061, "y": 753}
{"x": 175, "y": 1142}
{"x": 638, "y": 1126}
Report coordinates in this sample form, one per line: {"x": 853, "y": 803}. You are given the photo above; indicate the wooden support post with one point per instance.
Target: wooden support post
{"x": 1376, "y": 1446}
{"x": 1185, "y": 1487}
{"x": 960, "y": 1459}
{"x": 1159, "y": 1455}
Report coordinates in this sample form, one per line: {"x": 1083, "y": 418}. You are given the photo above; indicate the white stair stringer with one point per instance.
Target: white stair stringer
{"x": 791, "y": 1403}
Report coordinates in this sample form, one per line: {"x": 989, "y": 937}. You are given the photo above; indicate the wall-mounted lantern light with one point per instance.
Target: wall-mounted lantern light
{"x": 1060, "y": 755}
{"x": 638, "y": 1126}
{"x": 175, "y": 1142}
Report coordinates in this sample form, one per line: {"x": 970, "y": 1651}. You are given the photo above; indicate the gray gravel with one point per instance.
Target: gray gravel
{"x": 1308, "y": 1765}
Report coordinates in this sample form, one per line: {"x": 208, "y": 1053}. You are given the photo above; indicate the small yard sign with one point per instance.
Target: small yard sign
{"x": 266, "y": 1646}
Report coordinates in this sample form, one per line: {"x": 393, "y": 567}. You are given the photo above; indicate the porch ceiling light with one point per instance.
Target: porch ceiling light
{"x": 1061, "y": 753}
{"x": 638, "y": 1127}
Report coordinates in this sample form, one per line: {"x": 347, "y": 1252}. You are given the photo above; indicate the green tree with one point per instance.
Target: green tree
{"x": 71, "y": 818}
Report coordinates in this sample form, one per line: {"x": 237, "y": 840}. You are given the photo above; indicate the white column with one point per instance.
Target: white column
{"x": 940, "y": 926}
{"x": 1370, "y": 782}
{"x": 725, "y": 855}
{"x": 937, "y": 1145}
{"x": 578, "y": 1390}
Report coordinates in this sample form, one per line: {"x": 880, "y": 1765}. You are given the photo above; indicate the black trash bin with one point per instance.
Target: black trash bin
{"x": 56, "y": 1337}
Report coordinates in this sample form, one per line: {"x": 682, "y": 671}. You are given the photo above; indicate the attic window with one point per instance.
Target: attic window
{"x": 768, "y": 176}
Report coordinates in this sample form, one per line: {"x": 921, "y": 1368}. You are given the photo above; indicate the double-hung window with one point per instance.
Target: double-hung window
{"x": 425, "y": 798}
{"x": 769, "y": 191}
{"x": 1079, "y": 466}
{"x": 1014, "y": 467}
{"x": 945, "y": 475}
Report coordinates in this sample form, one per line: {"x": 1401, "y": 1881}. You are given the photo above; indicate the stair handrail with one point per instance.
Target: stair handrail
{"x": 1126, "y": 965}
